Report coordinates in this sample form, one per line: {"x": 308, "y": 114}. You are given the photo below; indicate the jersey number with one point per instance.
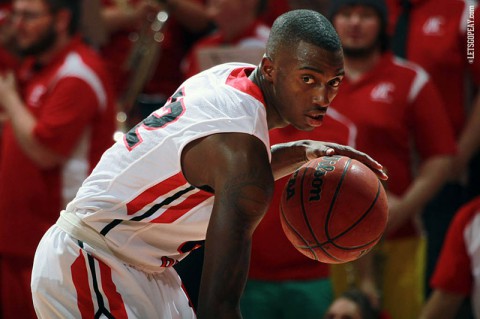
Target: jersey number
{"x": 160, "y": 118}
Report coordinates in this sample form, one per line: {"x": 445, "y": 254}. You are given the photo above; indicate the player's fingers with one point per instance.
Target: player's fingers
{"x": 359, "y": 156}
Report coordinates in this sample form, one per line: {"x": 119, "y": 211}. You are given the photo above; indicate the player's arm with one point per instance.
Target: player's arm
{"x": 237, "y": 168}
{"x": 287, "y": 157}
{"x": 428, "y": 181}
{"x": 442, "y": 305}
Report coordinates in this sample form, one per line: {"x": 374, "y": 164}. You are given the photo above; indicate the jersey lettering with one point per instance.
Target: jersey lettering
{"x": 160, "y": 118}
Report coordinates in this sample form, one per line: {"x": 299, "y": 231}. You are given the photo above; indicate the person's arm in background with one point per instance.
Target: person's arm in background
{"x": 442, "y": 305}
{"x": 49, "y": 139}
{"x": 428, "y": 181}
{"x": 23, "y": 123}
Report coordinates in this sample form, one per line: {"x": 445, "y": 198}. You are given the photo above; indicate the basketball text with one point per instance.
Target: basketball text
{"x": 291, "y": 185}
{"x": 326, "y": 164}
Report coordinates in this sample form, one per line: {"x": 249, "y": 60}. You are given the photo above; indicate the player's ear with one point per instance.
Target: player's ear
{"x": 267, "y": 68}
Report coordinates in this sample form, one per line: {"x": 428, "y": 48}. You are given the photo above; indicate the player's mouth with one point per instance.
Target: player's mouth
{"x": 315, "y": 119}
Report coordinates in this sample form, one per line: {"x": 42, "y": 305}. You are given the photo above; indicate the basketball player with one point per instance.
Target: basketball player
{"x": 198, "y": 169}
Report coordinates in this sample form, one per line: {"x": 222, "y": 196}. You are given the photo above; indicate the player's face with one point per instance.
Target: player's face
{"x": 305, "y": 80}
{"x": 343, "y": 308}
{"x": 34, "y": 26}
{"x": 357, "y": 26}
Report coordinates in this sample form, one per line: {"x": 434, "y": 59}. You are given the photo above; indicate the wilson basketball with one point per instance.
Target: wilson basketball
{"x": 334, "y": 209}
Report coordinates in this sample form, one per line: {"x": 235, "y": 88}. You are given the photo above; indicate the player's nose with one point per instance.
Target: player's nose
{"x": 321, "y": 97}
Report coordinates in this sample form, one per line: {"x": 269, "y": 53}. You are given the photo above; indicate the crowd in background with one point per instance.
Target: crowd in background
{"x": 71, "y": 79}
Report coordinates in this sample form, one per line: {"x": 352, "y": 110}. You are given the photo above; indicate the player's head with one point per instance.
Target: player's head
{"x": 38, "y": 24}
{"x": 298, "y": 26}
{"x": 352, "y": 304}
{"x": 361, "y": 25}
{"x": 304, "y": 66}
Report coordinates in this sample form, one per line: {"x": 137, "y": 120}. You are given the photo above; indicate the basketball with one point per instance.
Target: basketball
{"x": 334, "y": 209}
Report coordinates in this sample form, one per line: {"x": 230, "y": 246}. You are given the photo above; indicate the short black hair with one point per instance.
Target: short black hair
{"x": 302, "y": 25}
{"x": 380, "y": 8}
{"x": 74, "y": 6}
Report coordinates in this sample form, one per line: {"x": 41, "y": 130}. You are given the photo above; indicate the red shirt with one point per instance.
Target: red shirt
{"x": 458, "y": 267}
{"x": 73, "y": 105}
{"x": 437, "y": 40}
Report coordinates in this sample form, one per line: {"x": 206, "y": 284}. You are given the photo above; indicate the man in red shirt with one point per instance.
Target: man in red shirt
{"x": 60, "y": 119}
{"x": 400, "y": 118}
{"x": 437, "y": 37}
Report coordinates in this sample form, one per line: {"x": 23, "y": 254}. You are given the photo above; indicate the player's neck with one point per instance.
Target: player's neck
{"x": 273, "y": 118}
{"x": 356, "y": 67}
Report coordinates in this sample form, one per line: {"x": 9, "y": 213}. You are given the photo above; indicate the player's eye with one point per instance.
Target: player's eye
{"x": 308, "y": 79}
{"x": 335, "y": 82}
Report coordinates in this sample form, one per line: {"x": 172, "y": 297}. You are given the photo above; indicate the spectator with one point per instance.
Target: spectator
{"x": 353, "y": 304}
{"x": 401, "y": 119}
{"x": 433, "y": 34}
{"x": 60, "y": 118}
{"x": 457, "y": 274}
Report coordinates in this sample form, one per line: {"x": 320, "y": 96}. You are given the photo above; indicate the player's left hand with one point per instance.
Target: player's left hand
{"x": 317, "y": 149}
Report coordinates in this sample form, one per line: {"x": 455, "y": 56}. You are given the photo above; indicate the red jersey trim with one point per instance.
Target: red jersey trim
{"x": 177, "y": 211}
{"x": 151, "y": 194}
{"x": 239, "y": 80}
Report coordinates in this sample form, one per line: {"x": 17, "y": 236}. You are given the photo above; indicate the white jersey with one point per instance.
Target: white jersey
{"x": 137, "y": 198}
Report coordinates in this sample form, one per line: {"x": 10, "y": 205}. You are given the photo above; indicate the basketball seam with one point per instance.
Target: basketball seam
{"x": 355, "y": 224}
{"x": 298, "y": 234}
{"x": 320, "y": 245}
